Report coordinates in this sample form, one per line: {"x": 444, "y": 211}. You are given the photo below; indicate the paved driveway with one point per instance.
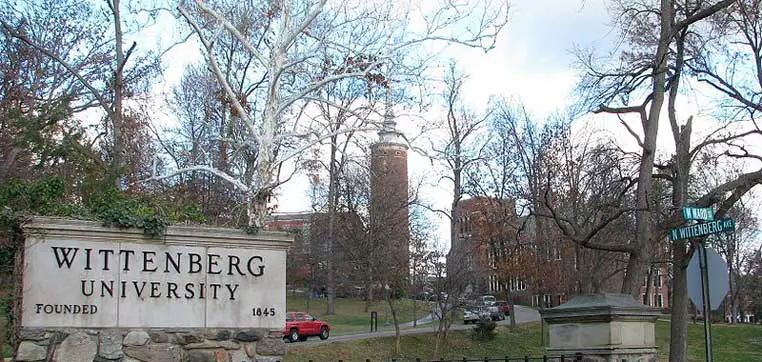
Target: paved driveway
{"x": 425, "y": 325}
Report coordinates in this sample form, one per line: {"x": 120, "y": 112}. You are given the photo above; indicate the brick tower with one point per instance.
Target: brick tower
{"x": 389, "y": 199}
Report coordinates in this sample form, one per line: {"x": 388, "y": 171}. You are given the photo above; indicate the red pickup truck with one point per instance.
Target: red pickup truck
{"x": 300, "y": 325}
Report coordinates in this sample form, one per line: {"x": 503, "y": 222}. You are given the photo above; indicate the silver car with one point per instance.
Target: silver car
{"x": 495, "y": 313}
{"x": 473, "y": 314}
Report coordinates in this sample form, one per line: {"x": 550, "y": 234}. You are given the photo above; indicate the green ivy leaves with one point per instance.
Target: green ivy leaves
{"x": 113, "y": 207}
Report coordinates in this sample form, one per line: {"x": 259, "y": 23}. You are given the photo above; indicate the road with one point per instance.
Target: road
{"x": 426, "y": 325}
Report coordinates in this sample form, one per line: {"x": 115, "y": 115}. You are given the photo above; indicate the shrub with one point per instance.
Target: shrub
{"x": 484, "y": 329}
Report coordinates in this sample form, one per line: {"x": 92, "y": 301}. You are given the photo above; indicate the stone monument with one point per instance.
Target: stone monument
{"x": 198, "y": 294}
{"x": 603, "y": 328}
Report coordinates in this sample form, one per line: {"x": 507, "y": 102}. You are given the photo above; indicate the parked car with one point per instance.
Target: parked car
{"x": 504, "y": 306}
{"x": 487, "y": 299}
{"x": 473, "y": 314}
{"x": 438, "y": 297}
{"x": 470, "y": 315}
{"x": 495, "y": 313}
{"x": 300, "y": 325}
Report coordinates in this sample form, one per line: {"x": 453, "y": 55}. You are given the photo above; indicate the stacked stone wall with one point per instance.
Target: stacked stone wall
{"x": 150, "y": 345}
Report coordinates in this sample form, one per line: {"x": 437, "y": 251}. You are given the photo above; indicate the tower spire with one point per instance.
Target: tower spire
{"x": 389, "y": 132}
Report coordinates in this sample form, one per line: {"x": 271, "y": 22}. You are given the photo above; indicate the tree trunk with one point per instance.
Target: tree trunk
{"x": 678, "y": 345}
{"x": 7, "y": 163}
{"x": 332, "y": 201}
{"x": 640, "y": 258}
{"x": 415, "y": 313}
{"x": 116, "y": 117}
{"x": 438, "y": 339}
{"x": 397, "y": 335}
{"x": 266, "y": 172}
{"x": 649, "y": 285}
{"x": 732, "y": 288}
{"x": 368, "y": 291}
{"x": 513, "y": 309}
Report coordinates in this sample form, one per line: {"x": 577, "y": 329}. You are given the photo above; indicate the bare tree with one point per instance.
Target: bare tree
{"x": 456, "y": 147}
{"x": 421, "y": 255}
{"x": 456, "y": 151}
{"x": 361, "y": 39}
{"x": 98, "y": 75}
{"x": 349, "y": 104}
{"x": 655, "y": 66}
{"x": 571, "y": 189}
{"x": 450, "y": 287}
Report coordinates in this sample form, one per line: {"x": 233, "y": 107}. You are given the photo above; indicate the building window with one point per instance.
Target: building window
{"x": 644, "y": 298}
{"x": 542, "y": 300}
{"x": 516, "y": 284}
{"x": 494, "y": 284}
{"x": 660, "y": 301}
{"x": 657, "y": 278}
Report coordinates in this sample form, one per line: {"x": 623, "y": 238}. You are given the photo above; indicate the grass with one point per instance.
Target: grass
{"x": 525, "y": 340}
{"x": 351, "y": 316}
{"x": 732, "y": 343}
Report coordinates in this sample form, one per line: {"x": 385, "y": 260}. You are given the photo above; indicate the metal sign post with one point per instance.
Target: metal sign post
{"x": 707, "y": 307}
{"x": 706, "y": 225}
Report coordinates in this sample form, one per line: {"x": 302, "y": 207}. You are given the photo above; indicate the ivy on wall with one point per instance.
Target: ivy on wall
{"x": 114, "y": 208}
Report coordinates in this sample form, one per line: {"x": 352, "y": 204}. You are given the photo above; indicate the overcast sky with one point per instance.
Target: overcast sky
{"x": 533, "y": 60}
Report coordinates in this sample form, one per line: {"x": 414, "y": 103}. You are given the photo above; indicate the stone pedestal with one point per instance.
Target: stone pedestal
{"x": 603, "y": 328}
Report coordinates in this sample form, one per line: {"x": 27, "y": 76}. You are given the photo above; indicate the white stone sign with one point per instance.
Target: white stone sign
{"x": 108, "y": 284}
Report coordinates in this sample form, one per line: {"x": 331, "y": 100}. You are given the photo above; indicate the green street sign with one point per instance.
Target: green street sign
{"x": 702, "y": 229}
{"x": 698, "y": 213}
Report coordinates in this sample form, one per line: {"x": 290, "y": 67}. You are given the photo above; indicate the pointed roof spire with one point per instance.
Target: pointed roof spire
{"x": 389, "y": 132}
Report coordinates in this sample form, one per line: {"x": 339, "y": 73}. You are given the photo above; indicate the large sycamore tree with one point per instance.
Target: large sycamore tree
{"x": 300, "y": 47}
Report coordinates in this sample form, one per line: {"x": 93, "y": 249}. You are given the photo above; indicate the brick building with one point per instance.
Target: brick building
{"x": 306, "y": 260}
{"x": 298, "y": 259}
{"x": 485, "y": 230}
{"x": 389, "y": 211}
{"x": 529, "y": 259}
{"x": 658, "y": 296}
{"x": 504, "y": 256}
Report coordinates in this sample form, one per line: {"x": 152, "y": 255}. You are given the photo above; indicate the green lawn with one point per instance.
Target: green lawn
{"x": 741, "y": 343}
{"x": 351, "y": 316}
{"x": 730, "y": 343}
{"x": 525, "y": 340}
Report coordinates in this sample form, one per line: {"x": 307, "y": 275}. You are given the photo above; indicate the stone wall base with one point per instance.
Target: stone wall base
{"x": 150, "y": 345}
